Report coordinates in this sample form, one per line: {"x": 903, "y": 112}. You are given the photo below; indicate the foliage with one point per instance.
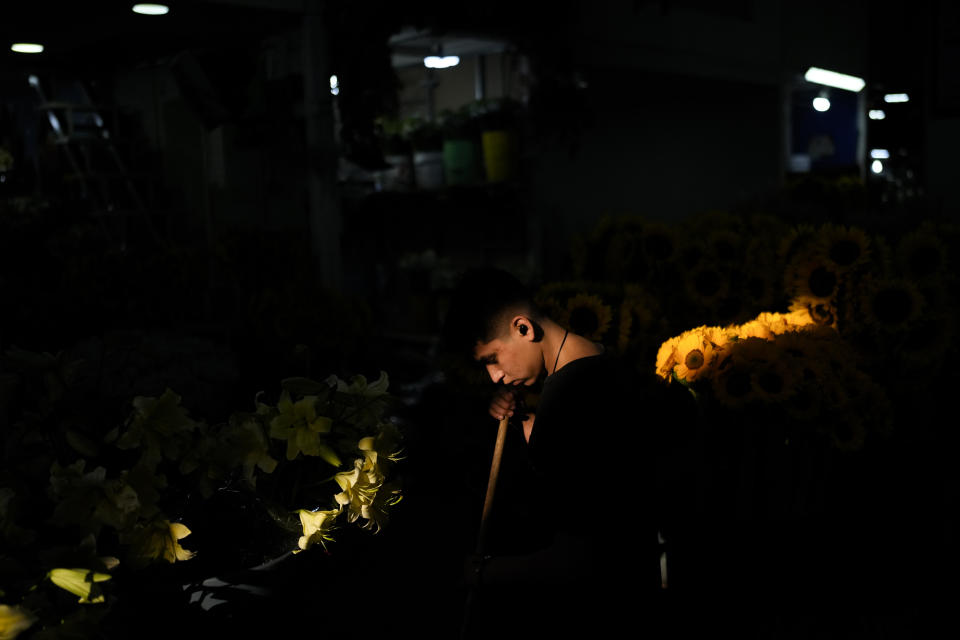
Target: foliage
{"x": 88, "y": 508}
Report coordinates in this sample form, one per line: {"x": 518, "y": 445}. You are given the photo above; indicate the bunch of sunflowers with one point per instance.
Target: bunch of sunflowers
{"x": 81, "y": 508}
{"x": 780, "y": 365}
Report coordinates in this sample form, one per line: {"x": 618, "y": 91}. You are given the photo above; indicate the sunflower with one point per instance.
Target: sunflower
{"x": 667, "y": 357}
{"x": 891, "y": 304}
{"x": 921, "y": 255}
{"x": 846, "y": 431}
{"x": 927, "y": 342}
{"x": 752, "y": 350}
{"x": 882, "y": 259}
{"x": 833, "y": 392}
{"x": 695, "y": 355}
{"x": 812, "y": 276}
{"x": 754, "y": 329}
{"x": 552, "y": 297}
{"x": 706, "y": 286}
{"x": 588, "y": 316}
{"x": 799, "y": 240}
{"x": 659, "y": 243}
{"x": 797, "y": 345}
{"x": 619, "y": 252}
{"x": 822, "y": 312}
{"x": 719, "y": 336}
{"x": 844, "y": 247}
{"x": 804, "y": 404}
{"x": 636, "y": 317}
{"x": 725, "y": 245}
{"x": 775, "y": 380}
{"x": 781, "y": 323}
{"x": 758, "y": 280}
{"x": 733, "y": 385}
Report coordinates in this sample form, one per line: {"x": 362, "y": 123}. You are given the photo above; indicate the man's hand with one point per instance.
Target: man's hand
{"x": 503, "y": 404}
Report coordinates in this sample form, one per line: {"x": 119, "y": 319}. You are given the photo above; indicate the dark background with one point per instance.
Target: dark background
{"x": 233, "y": 233}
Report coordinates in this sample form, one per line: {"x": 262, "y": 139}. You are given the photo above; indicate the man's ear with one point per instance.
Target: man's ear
{"x": 524, "y": 327}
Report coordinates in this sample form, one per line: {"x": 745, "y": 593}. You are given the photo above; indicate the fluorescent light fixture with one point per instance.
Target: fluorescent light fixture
{"x": 896, "y": 97}
{"x": 821, "y": 104}
{"x": 26, "y": 47}
{"x": 438, "y": 62}
{"x": 877, "y": 114}
{"x": 876, "y": 166}
{"x": 150, "y": 9}
{"x": 834, "y": 79}
{"x": 879, "y": 154}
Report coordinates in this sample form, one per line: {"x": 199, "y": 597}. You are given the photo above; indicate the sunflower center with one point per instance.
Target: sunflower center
{"x": 821, "y": 313}
{"x": 584, "y": 321}
{"x": 892, "y": 306}
{"x": 822, "y": 282}
{"x": 737, "y": 384}
{"x": 771, "y": 382}
{"x": 844, "y": 252}
{"x": 694, "y": 359}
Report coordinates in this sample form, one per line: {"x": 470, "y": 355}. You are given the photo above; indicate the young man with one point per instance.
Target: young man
{"x": 594, "y": 563}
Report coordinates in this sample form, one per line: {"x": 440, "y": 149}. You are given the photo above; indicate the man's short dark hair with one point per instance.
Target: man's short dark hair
{"x": 478, "y": 305}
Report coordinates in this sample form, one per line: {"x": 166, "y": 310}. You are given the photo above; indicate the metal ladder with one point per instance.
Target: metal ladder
{"x": 81, "y": 134}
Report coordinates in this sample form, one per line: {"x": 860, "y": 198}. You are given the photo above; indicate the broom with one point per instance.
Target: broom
{"x": 487, "y": 505}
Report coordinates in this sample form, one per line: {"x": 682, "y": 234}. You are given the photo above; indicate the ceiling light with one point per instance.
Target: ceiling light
{"x": 876, "y": 166}
{"x": 334, "y": 85}
{"x": 821, "y": 104}
{"x": 877, "y": 114}
{"x": 26, "y": 47}
{"x": 834, "y": 79}
{"x": 879, "y": 154}
{"x": 896, "y": 97}
{"x": 148, "y": 9}
{"x": 441, "y": 62}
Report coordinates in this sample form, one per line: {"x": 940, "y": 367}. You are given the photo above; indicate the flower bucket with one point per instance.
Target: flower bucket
{"x": 400, "y": 176}
{"x": 499, "y": 155}
{"x": 428, "y": 169}
{"x": 460, "y": 162}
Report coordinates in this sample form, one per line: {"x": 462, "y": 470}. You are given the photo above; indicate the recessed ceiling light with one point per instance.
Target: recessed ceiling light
{"x": 834, "y": 79}
{"x": 441, "y": 62}
{"x": 149, "y": 9}
{"x": 896, "y": 97}
{"x": 26, "y": 47}
{"x": 877, "y": 114}
{"x": 821, "y": 104}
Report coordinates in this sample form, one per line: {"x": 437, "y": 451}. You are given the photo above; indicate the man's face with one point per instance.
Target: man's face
{"x": 511, "y": 360}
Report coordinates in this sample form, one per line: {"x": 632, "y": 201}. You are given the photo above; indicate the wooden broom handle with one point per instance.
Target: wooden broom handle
{"x": 492, "y": 483}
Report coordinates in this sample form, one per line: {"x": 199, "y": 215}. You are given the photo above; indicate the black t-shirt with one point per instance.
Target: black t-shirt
{"x": 590, "y": 557}
{"x": 591, "y": 454}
